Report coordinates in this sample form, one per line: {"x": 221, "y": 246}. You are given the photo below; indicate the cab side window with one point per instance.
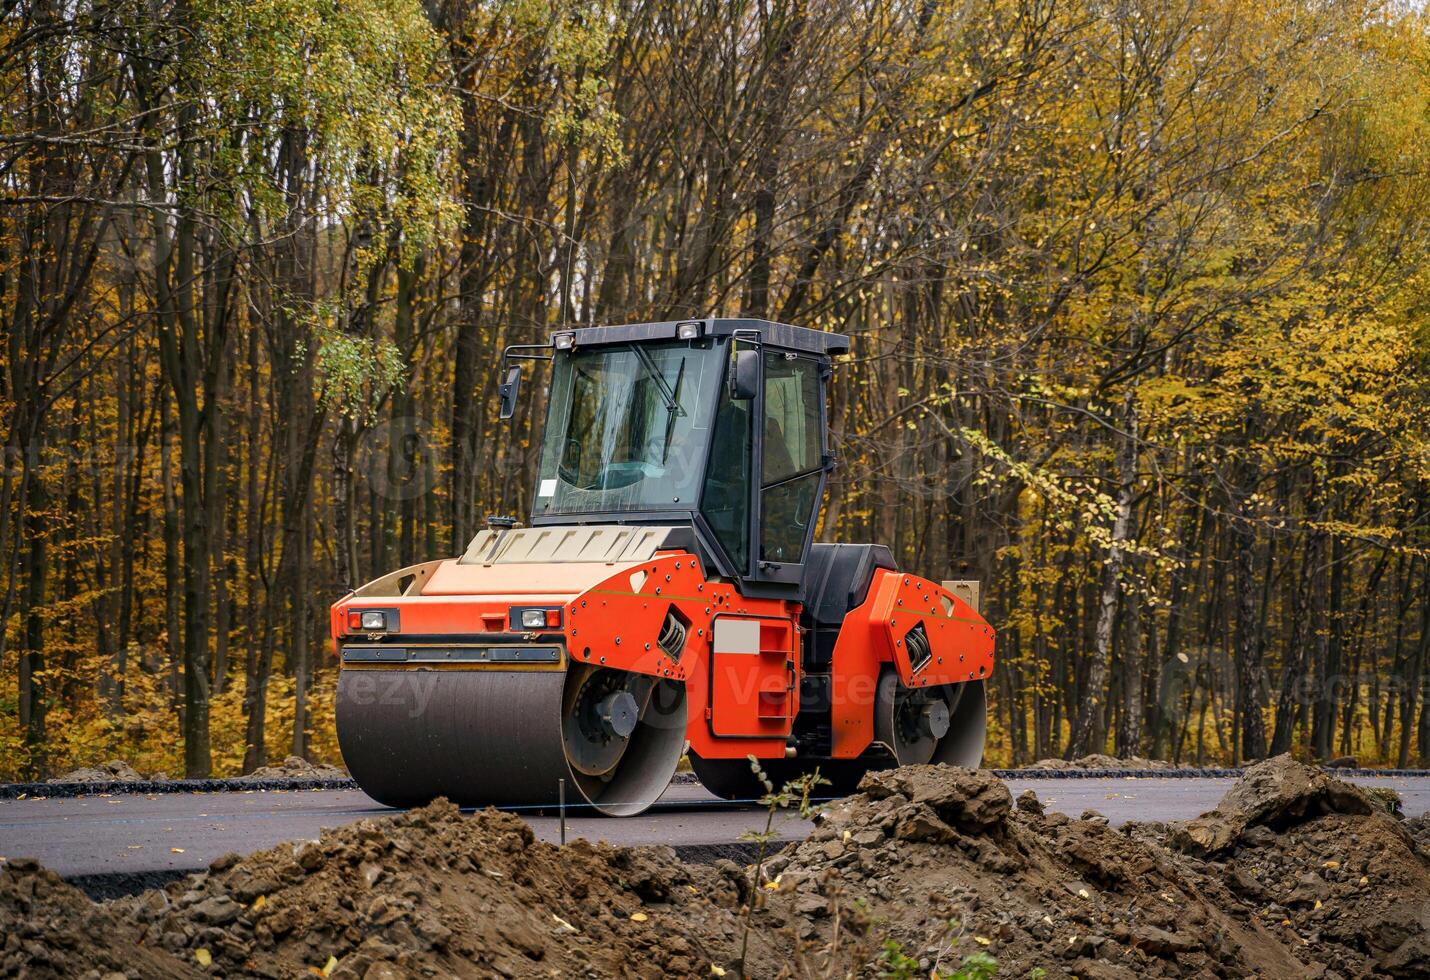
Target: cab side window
{"x": 792, "y": 455}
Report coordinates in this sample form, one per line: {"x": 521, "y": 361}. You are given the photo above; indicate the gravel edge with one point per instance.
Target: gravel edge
{"x": 15, "y": 791}
{"x": 1181, "y": 773}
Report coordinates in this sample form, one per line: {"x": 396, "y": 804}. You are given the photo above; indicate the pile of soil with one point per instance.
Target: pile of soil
{"x": 1294, "y": 875}
{"x": 1305, "y": 876}
{"x": 296, "y": 767}
{"x": 115, "y": 770}
{"x": 51, "y": 929}
{"x": 1419, "y": 828}
{"x": 1099, "y": 761}
{"x": 429, "y": 891}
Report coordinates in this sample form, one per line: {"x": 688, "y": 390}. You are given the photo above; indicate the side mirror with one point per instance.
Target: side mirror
{"x": 745, "y": 378}
{"x": 508, "y": 391}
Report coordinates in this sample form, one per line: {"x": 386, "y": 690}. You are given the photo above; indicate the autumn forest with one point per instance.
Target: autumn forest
{"x": 1138, "y": 293}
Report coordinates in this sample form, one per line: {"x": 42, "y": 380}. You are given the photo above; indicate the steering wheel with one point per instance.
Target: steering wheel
{"x": 615, "y": 476}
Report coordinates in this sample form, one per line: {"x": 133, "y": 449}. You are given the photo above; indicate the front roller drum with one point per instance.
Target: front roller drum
{"x": 493, "y": 737}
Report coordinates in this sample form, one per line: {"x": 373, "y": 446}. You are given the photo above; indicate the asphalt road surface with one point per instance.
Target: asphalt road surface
{"x": 178, "y": 832}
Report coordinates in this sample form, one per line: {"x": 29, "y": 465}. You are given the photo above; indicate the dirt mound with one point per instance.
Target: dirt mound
{"x": 296, "y": 767}
{"x": 1419, "y": 828}
{"x": 923, "y": 869}
{"x": 949, "y": 866}
{"x": 1276, "y": 793}
{"x": 428, "y": 891}
{"x": 50, "y": 929}
{"x": 1099, "y": 761}
{"x": 112, "y": 771}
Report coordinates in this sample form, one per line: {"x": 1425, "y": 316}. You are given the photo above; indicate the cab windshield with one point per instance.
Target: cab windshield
{"x": 627, "y": 428}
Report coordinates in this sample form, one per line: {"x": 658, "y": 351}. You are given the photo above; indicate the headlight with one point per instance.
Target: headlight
{"x": 564, "y": 341}
{"x": 373, "y": 621}
{"x": 689, "y": 331}
{"x": 535, "y": 618}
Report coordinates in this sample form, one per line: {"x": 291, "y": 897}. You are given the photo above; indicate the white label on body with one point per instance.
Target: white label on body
{"x": 737, "y": 635}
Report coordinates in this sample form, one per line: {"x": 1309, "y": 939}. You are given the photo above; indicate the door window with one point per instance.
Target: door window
{"x": 728, "y": 479}
{"x": 792, "y": 455}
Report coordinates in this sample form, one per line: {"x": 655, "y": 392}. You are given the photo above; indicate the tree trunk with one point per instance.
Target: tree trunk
{"x": 1091, "y": 716}
{"x": 34, "y": 692}
{"x": 1323, "y": 728}
{"x": 1248, "y": 642}
{"x": 1290, "y": 702}
{"x": 1129, "y": 729}
{"x": 1414, "y": 682}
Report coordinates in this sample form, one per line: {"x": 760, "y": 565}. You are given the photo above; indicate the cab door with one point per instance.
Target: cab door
{"x": 768, "y": 462}
{"x": 792, "y": 462}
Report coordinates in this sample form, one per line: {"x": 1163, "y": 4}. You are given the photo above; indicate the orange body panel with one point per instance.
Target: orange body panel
{"x": 443, "y": 615}
{"x": 617, "y": 622}
{"x": 960, "y": 646}
{"x": 742, "y": 693}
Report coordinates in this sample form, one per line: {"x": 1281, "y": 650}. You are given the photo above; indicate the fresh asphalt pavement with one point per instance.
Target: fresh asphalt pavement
{"x": 176, "y": 832}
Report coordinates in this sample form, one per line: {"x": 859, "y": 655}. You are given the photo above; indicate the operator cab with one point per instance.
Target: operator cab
{"x": 718, "y": 425}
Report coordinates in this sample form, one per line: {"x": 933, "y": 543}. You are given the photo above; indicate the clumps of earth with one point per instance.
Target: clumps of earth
{"x": 1295, "y": 874}
{"x": 296, "y": 767}
{"x": 429, "y": 891}
{"x": 119, "y": 771}
{"x": 1097, "y": 760}
{"x": 115, "y": 770}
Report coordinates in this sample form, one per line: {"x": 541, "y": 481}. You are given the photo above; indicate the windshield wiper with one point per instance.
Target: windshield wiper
{"x": 671, "y": 406}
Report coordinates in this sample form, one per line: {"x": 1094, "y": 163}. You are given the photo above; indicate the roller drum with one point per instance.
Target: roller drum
{"x": 493, "y": 737}
{"x": 962, "y": 745}
{"x": 944, "y": 725}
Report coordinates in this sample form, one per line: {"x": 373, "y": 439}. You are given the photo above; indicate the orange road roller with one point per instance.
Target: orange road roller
{"x": 666, "y": 597}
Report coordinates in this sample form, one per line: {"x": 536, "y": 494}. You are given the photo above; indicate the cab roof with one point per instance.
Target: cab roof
{"x": 783, "y": 335}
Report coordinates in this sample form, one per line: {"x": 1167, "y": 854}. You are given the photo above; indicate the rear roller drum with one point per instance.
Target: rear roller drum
{"x": 941, "y": 725}
{"x": 491, "y": 737}
{"x": 962, "y": 745}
